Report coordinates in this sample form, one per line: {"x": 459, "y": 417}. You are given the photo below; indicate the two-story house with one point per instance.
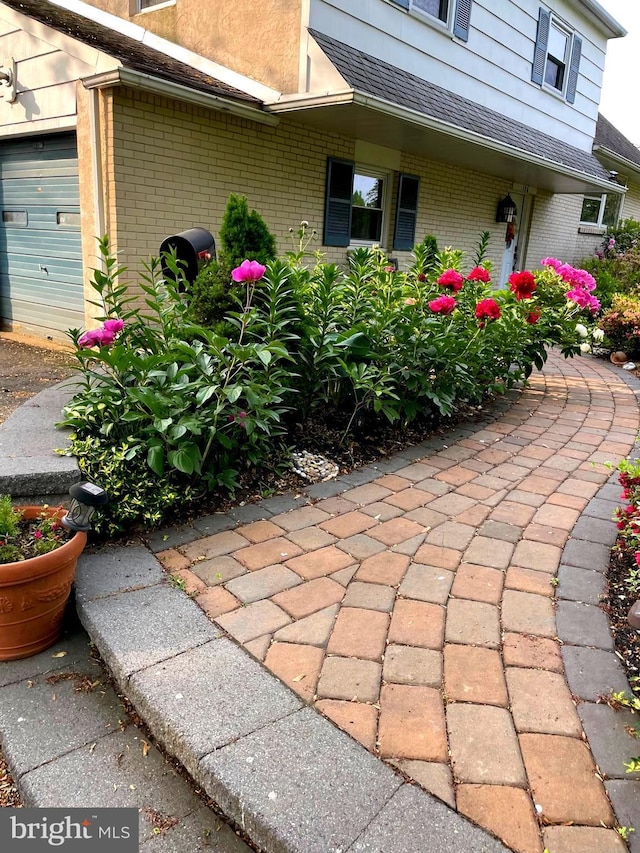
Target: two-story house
{"x": 377, "y": 121}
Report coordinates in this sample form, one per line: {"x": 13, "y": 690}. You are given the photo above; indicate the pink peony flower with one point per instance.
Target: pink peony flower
{"x": 584, "y": 299}
{"x": 479, "y": 274}
{"x": 443, "y": 305}
{"x": 114, "y": 326}
{"x": 551, "y": 262}
{"x": 248, "y": 271}
{"x": 451, "y": 278}
{"x": 522, "y": 284}
{"x": 488, "y": 309}
{"x": 92, "y": 338}
{"x": 390, "y": 269}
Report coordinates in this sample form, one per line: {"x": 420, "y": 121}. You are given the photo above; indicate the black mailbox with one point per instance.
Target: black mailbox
{"x": 191, "y": 247}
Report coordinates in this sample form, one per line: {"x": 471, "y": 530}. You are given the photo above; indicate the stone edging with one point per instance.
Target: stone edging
{"x": 291, "y": 779}
{"x": 592, "y": 667}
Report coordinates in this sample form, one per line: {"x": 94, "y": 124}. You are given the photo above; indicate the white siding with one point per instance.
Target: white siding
{"x": 493, "y": 68}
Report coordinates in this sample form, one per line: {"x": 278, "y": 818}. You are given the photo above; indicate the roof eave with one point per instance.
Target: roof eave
{"x": 167, "y": 88}
{"x": 601, "y": 17}
{"x": 618, "y": 159}
{"x": 309, "y": 101}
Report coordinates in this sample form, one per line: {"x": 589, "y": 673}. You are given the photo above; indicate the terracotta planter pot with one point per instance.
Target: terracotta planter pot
{"x": 34, "y": 593}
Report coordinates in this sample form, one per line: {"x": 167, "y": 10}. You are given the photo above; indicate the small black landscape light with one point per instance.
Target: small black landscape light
{"x": 86, "y": 498}
{"x": 507, "y": 209}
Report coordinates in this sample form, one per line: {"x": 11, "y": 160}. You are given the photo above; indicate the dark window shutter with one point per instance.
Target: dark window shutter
{"x": 406, "y": 212}
{"x": 462, "y": 20}
{"x": 574, "y": 69}
{"x": 337, "y": 205}
{"x": 540, "y": 53}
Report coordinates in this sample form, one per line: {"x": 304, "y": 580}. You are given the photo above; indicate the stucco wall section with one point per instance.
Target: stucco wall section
{"x": 174, "y": 166}
{"x": 262, "y": 42}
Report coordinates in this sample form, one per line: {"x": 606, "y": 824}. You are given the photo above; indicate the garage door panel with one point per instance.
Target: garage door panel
{"x": 41, "y": 275}
{"x": 41, "y": 243}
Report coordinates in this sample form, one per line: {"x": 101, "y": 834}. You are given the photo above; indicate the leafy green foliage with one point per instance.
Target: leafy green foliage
{"x": 9, "y": 517}
{"x": 172, "y": 401}
{"x": 243, "y": 235}
{"x": 621, "y": 324}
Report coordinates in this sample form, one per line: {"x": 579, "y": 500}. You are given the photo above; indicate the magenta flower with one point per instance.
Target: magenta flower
{"x": 451, "y": 278}
{"x": 488, "y": 309}
{"x": 114, "y": 326}
{"x": 37, "y": 534}
{"x": 443, "y": 305}
{"x": 584, "y": 299}
{"x": 551, "y": 262}
{"x": 248, "y": 271}
{"x": 92, "y": 338}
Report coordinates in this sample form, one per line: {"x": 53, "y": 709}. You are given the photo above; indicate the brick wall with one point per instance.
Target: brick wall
{"x": 554, "y": 229}
{"x": 174, "y": 165}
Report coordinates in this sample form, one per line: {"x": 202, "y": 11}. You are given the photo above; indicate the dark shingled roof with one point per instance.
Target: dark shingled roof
{"x": 609, "y": 137}
{"x": 367, "y": 74}
{"x": 131, "y": 53}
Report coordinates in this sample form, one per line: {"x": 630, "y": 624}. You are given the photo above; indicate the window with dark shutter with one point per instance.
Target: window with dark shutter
{"x": 540, "y": 53}
{"x": 462, "y": 20}
{"x": 406, "y": 212}
{"x": 337, "y": 208}
{"x": 574, "y": 69}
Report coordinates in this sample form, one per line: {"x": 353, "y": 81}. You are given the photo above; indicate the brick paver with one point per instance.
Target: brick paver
{"x": 417, "y": 611}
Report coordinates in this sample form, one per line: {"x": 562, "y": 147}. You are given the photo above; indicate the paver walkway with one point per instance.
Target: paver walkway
{"x": 417, "y": 611}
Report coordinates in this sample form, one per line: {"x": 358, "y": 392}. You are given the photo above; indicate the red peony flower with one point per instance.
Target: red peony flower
{"x": 488, "y": 309}
{"x": 522, "y": 284}
{"x": 421, "y": 276}
{"x": 452, "y": 279}
{"x": 479, "y": 274}
{"x": 443, "y": 305}
{"x": 533, "y": 316}
{"x": 638, "y": 560}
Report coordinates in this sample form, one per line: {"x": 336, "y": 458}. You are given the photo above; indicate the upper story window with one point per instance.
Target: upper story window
{"x": 456, "y": 13}
{"x": 143, "y": 5}
{"x": 438, "y": 8}
{"x": 556, "y": 59}
{"x": 601, "y": 210}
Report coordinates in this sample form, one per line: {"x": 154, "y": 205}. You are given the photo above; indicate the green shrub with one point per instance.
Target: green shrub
{"x": 9, "y": 517}
{"x": 179, "y": 403}
{"x": 621, "y": 324}
{"x": 622, "y": 237}
{"x": 243, "y": 235}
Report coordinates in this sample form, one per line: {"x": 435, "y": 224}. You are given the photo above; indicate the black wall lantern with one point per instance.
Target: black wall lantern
{"x": 506, "y": 209}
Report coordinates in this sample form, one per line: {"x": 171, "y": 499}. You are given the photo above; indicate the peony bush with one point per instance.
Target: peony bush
{"x": 168, "y": 409}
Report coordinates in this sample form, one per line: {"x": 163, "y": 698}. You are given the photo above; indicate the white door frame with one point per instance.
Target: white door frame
{"x": 514, "y": 255}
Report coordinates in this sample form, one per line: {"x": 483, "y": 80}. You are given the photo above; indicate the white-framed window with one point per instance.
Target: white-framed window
{"x": 600, "y": 209}
{"x": 557, "y": 55}
{"x": 369, "y": 206}
{"x": 148, "y": 5}
{"x": 435, "y": 8}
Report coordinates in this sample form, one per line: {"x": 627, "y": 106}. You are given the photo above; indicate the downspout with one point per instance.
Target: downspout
{"x": 96, "y": 164}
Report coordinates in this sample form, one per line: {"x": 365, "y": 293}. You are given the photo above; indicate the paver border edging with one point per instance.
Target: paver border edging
{"x": 592, "y": 668}
{"x": 267, "y": 759}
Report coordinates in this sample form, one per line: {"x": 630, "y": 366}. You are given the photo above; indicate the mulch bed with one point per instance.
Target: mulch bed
{"x": 617, "y": 605}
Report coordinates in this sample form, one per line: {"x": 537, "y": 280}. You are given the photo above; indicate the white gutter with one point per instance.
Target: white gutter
{"x": 168, "y": 48}
{"x": 168, "y": 89}
{"x": 607, "y": 22}
{"x": 617, "y": 158}
{"x": 388, "y": 108}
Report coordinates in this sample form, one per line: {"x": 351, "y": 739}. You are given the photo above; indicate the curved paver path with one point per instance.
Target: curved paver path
{"x": 417, "y": 611}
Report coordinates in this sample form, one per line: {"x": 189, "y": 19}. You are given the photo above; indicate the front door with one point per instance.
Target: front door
{"x": 515, "y": 237}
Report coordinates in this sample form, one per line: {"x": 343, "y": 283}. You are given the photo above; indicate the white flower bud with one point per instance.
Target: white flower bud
{"x": 581, "y": 330}
{"x": 598, "y": 334}
{"x": 585, "y": 348}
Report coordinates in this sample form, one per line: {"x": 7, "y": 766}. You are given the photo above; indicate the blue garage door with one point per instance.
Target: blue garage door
{"x": 40, "y": 252}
